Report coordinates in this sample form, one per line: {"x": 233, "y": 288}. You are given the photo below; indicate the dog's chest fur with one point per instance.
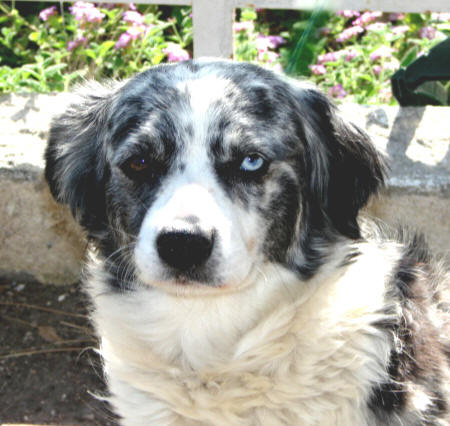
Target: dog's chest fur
{"x": 307, "y": 354}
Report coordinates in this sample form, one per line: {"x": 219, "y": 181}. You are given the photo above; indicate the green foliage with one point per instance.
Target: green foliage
{"x": 50, "y": 55}
{"x": 348, "y": 54}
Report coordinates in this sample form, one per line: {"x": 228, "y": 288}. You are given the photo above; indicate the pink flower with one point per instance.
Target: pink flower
{"x": 377, "y": 26}
{"x": 351, "y": 54}
{"x": 441, "y": 17}
{"x": 75, "y": 43}
{"x": 124, "y": 39}
{"x": 262, "y": 43}
{"x": 329, "y": 57}
{"x": 175, "y": 53}
{"x": 400, "y": 29}
{"x": 243, "y": 26}
{"x": 86, "y": 12}
{"x": 130, "y": 34}
{"x": 348, "y": 13}
{"x": 385, "y": 95}
{"x": 427, "y": 32}
{"x": 381, "y": 52}
{"x": 347, "y": 54}
{"x": 366, "y": 17}
{"x": 268, "y": 56}
{"x": 387, "y": 66}
{"x": 337, "y": 91}
{"x": 348, "y": 33}
{"x": 396, "y": 16}
{"x": 133, "y": 17}
{"x": 46, "y": 13}
{"x": 132, "y": 6}
{"x": 318, "y": 69}
{"x": 377, "y": 69}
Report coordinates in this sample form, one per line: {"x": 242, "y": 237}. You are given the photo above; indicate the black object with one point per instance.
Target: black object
{"x": 420, "y": 82}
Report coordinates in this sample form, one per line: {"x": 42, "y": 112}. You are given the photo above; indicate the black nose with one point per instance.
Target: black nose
{"x": 184, "y": 250}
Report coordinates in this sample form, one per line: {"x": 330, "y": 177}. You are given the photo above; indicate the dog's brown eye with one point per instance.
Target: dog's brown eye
{"x": 138, "y": 164}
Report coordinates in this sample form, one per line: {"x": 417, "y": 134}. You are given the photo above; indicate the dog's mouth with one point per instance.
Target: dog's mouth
{"x": 200, "y": 283}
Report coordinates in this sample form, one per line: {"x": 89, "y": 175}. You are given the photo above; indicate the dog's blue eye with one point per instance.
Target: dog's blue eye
{"x": 252, "y": 163}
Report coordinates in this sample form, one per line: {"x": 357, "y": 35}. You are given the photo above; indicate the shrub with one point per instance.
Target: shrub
{"x": 349, "y": 54}
{"x": 51, "y": 51}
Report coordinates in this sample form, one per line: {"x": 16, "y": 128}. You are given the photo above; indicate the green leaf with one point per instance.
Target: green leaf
{"x": 90, "y": 53}
{"x": 248, "y": 14}
{"x": 34, "y": 36}
{"x": 53, "y": 69}
{"x": 105, "y": 47}
{"x": 409, "y": 56}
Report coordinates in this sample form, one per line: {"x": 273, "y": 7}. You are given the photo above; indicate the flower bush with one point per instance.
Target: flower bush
{"x": 359, "y": 52}
{"x": 349, "y": 54}
{"x": 51, "y": 51}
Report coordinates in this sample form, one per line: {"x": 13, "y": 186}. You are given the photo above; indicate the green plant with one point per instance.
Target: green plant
{"x": 54, "y": 50}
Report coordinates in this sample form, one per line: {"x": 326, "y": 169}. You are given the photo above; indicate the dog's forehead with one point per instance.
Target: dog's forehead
{"x": 211, "y": 106}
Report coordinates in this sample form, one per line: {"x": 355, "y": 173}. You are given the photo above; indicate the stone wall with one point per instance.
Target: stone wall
{"x": 39, "y": 239}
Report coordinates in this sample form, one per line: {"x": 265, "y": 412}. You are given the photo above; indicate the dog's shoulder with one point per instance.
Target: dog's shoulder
{"x": 417, "y": 298}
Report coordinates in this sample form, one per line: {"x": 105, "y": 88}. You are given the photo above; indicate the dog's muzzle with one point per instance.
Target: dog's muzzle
{"x": 184, "y": 250}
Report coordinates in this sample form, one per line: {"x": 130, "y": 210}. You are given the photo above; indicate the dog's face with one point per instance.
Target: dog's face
{"x": 191, "y": 177}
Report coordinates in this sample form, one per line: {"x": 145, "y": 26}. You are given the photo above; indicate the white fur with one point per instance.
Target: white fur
{"x": 215, "y": 361}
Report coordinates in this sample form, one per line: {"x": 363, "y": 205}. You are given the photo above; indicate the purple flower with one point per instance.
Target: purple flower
{"x": 46, "y": 13}
{"x": 348, "y": 13}
{"x": 276, "y": 41}
{"x": 400, "y": 29}
{"x": 86, "y": 12}
{"x": 318, "y": 69}
{"x": 427, "y": 32}
{"x": 133, "y": 17}
{"x": 381, "y": 52}
{"x": 132, "y": 6}
{"x": 175, "y": 53}
{"x": 366, "y": 17}
{"x": 75, "y": 43}
{"x": 348, "y": 33}
{"x": 243, "y": 26}
{"x": 263, "y": 42}
{"x": 337, "y": 91}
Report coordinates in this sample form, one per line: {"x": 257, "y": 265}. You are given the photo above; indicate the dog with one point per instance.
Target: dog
{"x": 231, "y": 279}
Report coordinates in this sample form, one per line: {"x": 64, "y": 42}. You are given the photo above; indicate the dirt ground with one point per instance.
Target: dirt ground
{"x": 49, "y": 371}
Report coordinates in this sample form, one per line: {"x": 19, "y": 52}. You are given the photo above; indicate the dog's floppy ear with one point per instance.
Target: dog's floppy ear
{"x": 75, "y": 159}
{"x": 342, "y": 165}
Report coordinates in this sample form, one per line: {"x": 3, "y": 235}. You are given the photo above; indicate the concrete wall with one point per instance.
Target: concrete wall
{"x": 39, "y": 239}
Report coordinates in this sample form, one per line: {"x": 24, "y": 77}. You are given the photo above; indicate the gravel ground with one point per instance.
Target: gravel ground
{"x": 49, "y": 371}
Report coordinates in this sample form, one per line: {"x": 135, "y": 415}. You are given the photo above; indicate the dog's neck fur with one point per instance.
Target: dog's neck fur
{"x": 254, "y": 344}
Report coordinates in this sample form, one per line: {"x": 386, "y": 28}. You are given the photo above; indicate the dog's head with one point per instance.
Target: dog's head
{"x": 195, "y": 175}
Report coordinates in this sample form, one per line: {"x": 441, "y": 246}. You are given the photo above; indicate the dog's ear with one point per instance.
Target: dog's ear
{"x": 76, "y": 169}
{"x": 342, "y": 165}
